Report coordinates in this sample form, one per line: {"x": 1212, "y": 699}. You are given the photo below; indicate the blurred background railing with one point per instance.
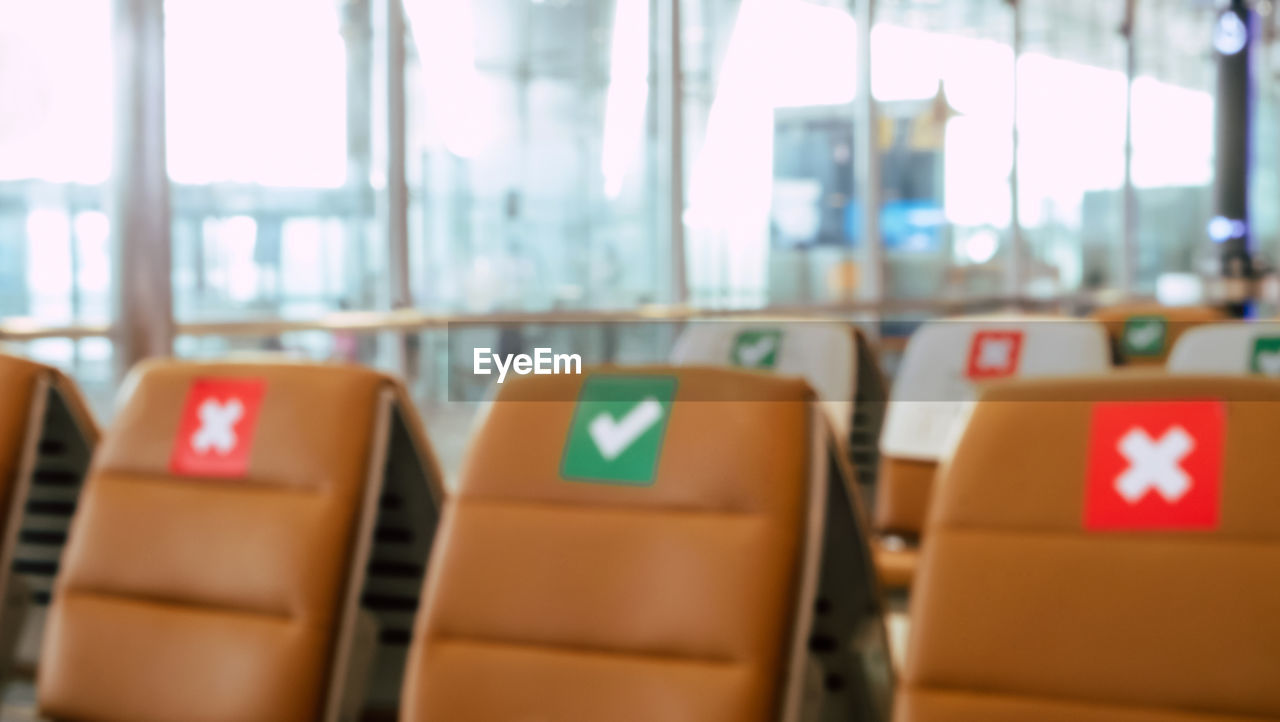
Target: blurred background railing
{"x": 416, "y": 344}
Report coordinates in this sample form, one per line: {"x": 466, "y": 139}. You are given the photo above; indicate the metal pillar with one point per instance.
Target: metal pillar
{"x": 142, "y": 289}
{"x": 1017, "y": 249}
{"x": 357, "y": 34}
{"x": 670, "y": 107}
{"x": 1129, "y": 247}
{"x": 867, "y": 161}
{"x": 1233, "y": 44}
{"x": 397, "y": 206}
{"x": 394, "y": 203}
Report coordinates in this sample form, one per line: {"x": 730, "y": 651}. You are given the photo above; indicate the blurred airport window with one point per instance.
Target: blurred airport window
{"x": 55, "y": 157}
{"x": 55, "y": 154}
{"x": 775, "y": 210}
{"x": 955, "y": 108}
{"x": 768, "y": 91}
{"x": 773, "y": 202}
{"x": 537, "y": 154}
{"x": 1071, "y": 145}
{"x": 270, "y": 152}
{"x": 532, "y": 155}
{"x": 55, "y": 68}
{"x": 1173, "y": 141}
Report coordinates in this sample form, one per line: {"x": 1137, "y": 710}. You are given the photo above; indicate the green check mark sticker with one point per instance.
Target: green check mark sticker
{"x": 617, "y": 430}
{"x": 1265, "y": 359}
{"x": 1145, "y": 335}
{"x": 756, "y": 349}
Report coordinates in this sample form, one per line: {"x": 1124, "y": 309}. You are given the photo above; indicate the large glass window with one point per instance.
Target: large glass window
{"x": 943, "y": 75}
{"x": 534, "y": 164}
{"x": 533, "y": 155}
{"x": 1071, "y": 145}
{"x": 768, "y": 91}
{"x": 270, "y": 152}
{"x": 775, "y": 208}
{"x": 774, "y": 204}
{"x": 1173, "y": 140}
{"x": 55, "y": 69}
{"x": 538, "y": 158}
{"x": 55, "y": 157}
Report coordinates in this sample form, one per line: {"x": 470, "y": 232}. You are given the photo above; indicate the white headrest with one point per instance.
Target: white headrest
{"x": 946, "y": 359}
{"x": 824, "y": 353}
{"x": 1232, "y": 347}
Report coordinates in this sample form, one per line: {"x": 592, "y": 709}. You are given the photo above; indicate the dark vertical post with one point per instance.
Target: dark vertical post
{"x": 1233, "y": 37}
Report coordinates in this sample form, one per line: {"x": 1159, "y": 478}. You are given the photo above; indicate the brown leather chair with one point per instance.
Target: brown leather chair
{"x": 1143, "y": 334}
{"x": 835, "y": 357}
{"x": 941, "y": 371}
{"x": 649, "y": 544}
{"x": 1104, "y": 550}
{"x": 235, "y": 517}
{"x": 47, "y": 434}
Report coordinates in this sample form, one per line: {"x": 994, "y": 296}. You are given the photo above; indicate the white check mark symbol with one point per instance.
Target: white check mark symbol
{"x": 1269, "y": 362}
{"x": 753, "y": 354}
{"x": 1144, "y": 336}
{"x": 614, "y": 437}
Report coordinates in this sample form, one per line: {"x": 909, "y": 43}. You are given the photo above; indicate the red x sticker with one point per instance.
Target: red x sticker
{"x": 215, "y": 433}
{"x": 1155, "y": 465}
{"x": 994, "y": 354}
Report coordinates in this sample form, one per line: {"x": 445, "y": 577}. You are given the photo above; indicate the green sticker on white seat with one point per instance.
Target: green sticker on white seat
{"x": 756, "y": 349}
{"x": 1265, "y": 359}
{"x": 617, "y": 430}
{"x": 1145, "y": 335}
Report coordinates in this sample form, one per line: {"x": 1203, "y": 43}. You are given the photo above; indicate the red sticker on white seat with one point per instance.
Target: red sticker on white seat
{"x": 1155, "y": 465}
{"x": 994, "y": 354}
{"x": 215, "y": 433}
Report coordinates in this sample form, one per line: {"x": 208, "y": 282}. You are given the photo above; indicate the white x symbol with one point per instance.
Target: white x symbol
{"x": 995, "y": 353}
{"x": 217, "y": 422}
{"x": 1154, "y": 464}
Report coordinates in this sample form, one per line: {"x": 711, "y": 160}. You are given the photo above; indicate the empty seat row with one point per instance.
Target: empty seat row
{"x": 944, "y": 365}
{"x": 635, "y": 543}
{"x": 1100, "y": 546}
{"x": 252, "y": 543}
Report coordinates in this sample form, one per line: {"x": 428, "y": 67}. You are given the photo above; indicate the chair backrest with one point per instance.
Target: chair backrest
{"x": 944, "y": 364}
{"x": 1104, "y": 550}
{"x": 47, "y": 435}
{"x": 1230, "y": 347}
{"x": 834, "y": 357}
{"x": 1142, "y": 334}
{"x": 652, "y": 543}
{"x": 233, "y": 519}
